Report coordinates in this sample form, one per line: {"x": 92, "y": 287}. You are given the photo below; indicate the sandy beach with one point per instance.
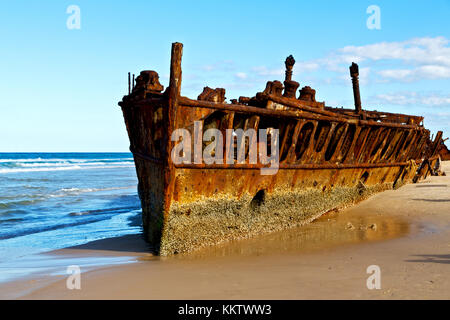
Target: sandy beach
{"x": 406, "y": 232}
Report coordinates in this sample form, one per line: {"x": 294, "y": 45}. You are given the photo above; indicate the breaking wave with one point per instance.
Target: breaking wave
{"x": 40, "y": 164}
{"x": 64, "y": 168}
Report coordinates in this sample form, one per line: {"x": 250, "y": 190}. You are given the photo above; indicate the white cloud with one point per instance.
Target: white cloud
{"x": 421, "y": 58}
{"x": 413, "y": 99}
{"x": 426, "y": 58}
{"x": 418, "y": 58}
{"x": 306, "y": 66}
{"x": 241, "y": 75}
{"x": 264, "y": 71}
{"x": 424, "y": 51}
{"x": 397, "y": 74}
{"x": 424, "y": 72}
{"x": 225, "y": 65}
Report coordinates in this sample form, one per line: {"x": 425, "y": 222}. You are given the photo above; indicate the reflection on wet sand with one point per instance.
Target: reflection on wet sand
{"x": 331, "y": 230}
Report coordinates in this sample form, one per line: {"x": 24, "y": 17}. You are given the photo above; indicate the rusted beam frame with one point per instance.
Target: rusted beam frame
{"x": 421, "y": 137}
{"x": 405, "y": 152}
{"x": 435, "y": 145}
{"x": 387, "y": 124}
{"x": 357, "y": 156}
{"x": 309, "y": 106}
{"x": 380, "y": 143}
{"x": 386, "y": 116}
{"x": 405, "y": 146}
{"x": 189, "y": 103}
{"x": 392, "y": 145}
{"x": 284, "y": 144}
{"x": 385, "y": 139}
{"x": 186, "y": 102}
{"x": 306, "y": 166}
{"x": 412, "y": 145}
{"x": 174, "y": 91}
{"x": 291, "y": 156}
{"x": 144, "y": 103}
{"x": 306, "y": 156}
{"x": 393, "y": 117}
{"x": 320, "y": 156}
{"x": 419, "y": 150}
{"x": 395, "y": 153}
{"x": 365, "y": 157}
{"x": 251, "y": 122}
{"x": 433, "y": 157}
{"x": 226, "y": 123}
{"x": 338, "y": 152}
{"x": 350, "y": 156}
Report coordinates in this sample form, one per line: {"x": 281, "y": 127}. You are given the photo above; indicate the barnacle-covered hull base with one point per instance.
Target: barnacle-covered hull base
{"x": 328, "y": 158}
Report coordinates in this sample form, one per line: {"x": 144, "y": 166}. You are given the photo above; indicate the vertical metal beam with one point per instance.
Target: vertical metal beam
{"x": 350, "y": 156}
{"x": 354, "y": 73}
{"x": 174, "y": 84}
{"x": 436, "y": 143}
{"x": 320, "y": 157}
{"x": 291, "y": 156}
{"x": 129, "y": 83}
{"x": 338, "y": 151}
{"x": 170, "y": 118}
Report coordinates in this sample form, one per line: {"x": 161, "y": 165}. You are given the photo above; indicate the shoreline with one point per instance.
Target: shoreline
{"x": 405, "y": 232}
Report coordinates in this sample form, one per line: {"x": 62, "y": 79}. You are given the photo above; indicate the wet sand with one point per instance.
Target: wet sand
{"x": 405, "y": 232}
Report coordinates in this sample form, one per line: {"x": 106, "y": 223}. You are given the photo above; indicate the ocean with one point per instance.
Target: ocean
{"x": 50, "y": 201}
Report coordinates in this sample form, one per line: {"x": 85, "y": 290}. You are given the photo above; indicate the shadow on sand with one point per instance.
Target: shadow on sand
{"x": 132, "y": 243}
{"x": 434, "y": 258}
{"x": 433, "y": 200}
{"x": 431, "y": 186}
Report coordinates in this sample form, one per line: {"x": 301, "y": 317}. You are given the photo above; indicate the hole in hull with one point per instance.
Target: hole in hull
{"x": 364, "y": 177}
{"x": 258, "y": 199}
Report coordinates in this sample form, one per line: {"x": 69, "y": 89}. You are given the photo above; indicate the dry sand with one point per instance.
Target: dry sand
{"x": 405, "y": 232}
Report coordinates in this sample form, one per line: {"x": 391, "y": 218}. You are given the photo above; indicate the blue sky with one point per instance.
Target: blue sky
{"x": 60, "y": 87}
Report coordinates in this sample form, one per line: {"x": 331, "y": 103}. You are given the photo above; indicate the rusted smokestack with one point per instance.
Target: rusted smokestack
{"x": 290, "y": 87}
{"x": 354, "y": 73}
{"x": 129, "y": 83}
{"x": 290, "y": 61}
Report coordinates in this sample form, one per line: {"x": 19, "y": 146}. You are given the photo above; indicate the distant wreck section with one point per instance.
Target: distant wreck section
{"x": 443, "y": 151}
{"x": 328, "y": 158}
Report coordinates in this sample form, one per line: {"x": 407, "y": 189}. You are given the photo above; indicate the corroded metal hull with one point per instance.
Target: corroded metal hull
{"x": 328, "y": 158}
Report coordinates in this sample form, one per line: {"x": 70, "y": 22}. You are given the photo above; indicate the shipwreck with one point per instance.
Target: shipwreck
{"x": 328, "y": 158}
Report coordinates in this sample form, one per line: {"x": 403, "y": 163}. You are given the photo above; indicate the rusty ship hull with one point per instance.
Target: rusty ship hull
{"x": 329, "y": 158}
